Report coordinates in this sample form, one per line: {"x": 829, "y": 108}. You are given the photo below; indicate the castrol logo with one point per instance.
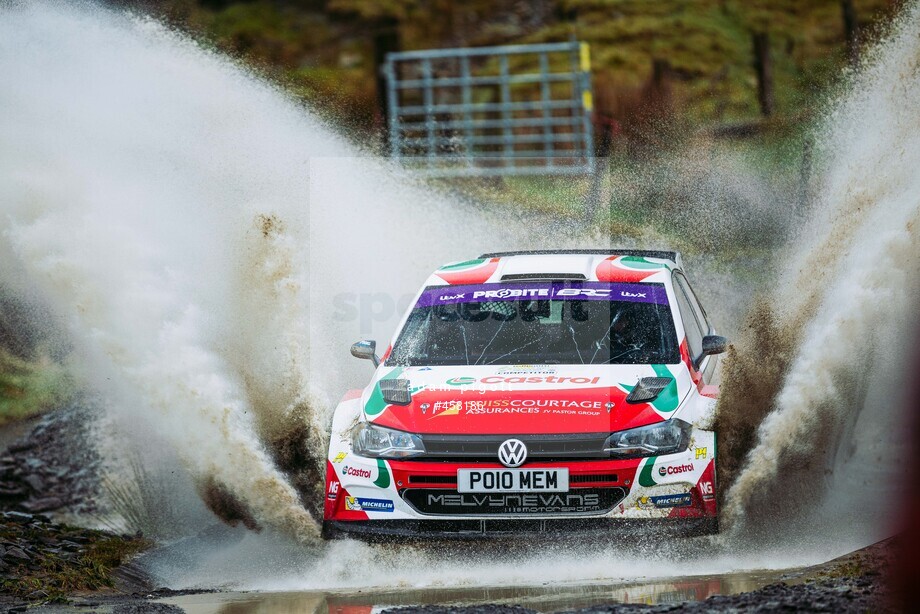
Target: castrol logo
{"x": 356, "y": 472}
{"x": 674, "y": 469}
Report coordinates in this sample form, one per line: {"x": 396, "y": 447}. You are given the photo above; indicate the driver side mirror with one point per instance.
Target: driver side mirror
{"x": 714, "y": 344}
{"x": 366, "y": 350}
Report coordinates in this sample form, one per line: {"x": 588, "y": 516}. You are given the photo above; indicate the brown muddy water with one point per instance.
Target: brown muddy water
{"x": 547, "y": 597}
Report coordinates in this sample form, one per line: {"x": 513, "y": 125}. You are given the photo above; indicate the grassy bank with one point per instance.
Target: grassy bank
{"x": 30, "y": 387}
{"x": 42, "y": 561}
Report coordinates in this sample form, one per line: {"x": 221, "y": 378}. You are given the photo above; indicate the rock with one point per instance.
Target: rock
{"x": 146, "y": 607}
{"x": 16, "y": 554}
{"x": 18, "y": 447}
{"x": 19, "y": 517}
{"x": 70, "y": 546}
{"x": 35, "y": 482}
{"x": 42, "y": 505}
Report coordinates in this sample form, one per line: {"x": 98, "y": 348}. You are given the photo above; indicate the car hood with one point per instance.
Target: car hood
{"x": 500, "y": 400}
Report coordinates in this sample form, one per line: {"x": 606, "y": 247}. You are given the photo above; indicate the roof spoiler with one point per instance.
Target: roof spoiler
{"x": 639, "y": 253}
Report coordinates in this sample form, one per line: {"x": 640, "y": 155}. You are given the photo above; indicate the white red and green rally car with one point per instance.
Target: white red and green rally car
{"x": 534, "y": 392}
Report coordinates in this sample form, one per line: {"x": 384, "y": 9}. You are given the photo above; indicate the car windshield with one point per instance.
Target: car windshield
{"x": 539, "y": 323}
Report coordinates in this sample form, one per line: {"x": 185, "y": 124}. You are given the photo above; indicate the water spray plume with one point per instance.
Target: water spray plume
{"x": 188, "y": 223}
{"x": 848, "y": 294}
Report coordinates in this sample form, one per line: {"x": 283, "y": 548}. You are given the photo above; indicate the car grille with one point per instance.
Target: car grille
{"x": 446, "y": 502}
{"x": 461, "y": 448}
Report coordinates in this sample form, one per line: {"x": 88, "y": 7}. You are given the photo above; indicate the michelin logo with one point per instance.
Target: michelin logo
{"x": 360, "y": 504}
{"x": 672, "y": 500}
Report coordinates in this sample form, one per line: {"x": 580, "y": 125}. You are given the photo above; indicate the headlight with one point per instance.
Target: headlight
{"x": 378, "y": 442}
{"x": 653, "y": 440}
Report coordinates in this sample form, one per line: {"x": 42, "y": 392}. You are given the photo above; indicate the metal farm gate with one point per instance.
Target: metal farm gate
{"x": 485, "y": 111}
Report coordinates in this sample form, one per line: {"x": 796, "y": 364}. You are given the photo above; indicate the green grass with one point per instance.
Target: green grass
{"x": 56, "y": 577}
{"x": 30, "y": 388}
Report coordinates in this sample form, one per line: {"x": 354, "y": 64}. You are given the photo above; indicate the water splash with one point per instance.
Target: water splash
{"x": 196, "y": 231}
{"x": 848, "y": 291}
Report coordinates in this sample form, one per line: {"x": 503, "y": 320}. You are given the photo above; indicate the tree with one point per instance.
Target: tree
{"x": 764, "y": 68}
{"x": 850, "y": 29}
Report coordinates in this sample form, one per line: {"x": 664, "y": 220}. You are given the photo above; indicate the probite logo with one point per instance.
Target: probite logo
{"x": 512, "y": 293}
{"x": 674, "y": 470}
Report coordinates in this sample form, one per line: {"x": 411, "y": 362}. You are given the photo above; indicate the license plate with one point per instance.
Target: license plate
{"x": 512, "y": 480}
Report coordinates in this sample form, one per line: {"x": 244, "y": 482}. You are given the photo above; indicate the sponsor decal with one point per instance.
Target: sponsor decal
{"x": 674, "y": 470}
{"x": 524, "y": 407}
{"x": 537, "y": 379}
{"x": 360, "y": 504}
{"x": 702, "y": 453}
{"x": 521, "y": 379}
{"x": 512, "y": 293}
{"x": 517, "y": 503}
{"x": 581, "y": 291}
{"x": 527, "y": 370}
{"x": 461, "y": 381}
{"x": 333, "y": 493}
{"x": 340, "y": 457}
{"x": 707, "y": 490}
{"x": 681, "y": 500}
{"x": 357, "y": 472}
{"x": 447, "y": 408}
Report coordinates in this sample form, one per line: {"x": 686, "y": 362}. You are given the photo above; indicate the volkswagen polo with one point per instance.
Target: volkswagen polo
{"x": 534, "y": 392}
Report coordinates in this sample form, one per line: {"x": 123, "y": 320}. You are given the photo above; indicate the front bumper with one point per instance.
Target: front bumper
{"x": 373, "y": 497}
{"x": 390, "y": 530}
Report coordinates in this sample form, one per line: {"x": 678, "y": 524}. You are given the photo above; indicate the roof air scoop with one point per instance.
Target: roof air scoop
{"x": 543, "y": 276}
{"x": 395, "y": 391}
{"x": 648, "y": 389}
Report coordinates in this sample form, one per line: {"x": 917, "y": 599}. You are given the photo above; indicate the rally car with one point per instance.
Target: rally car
{"x": 534, "y": 392}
